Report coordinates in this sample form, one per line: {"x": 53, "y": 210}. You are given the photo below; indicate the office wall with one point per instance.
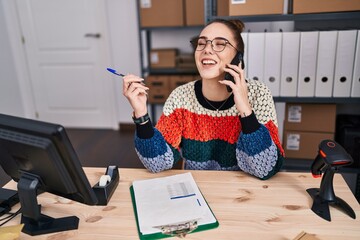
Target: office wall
{"x": 15, "y": 91}
{"x": 10, "y": 95}
{"x": 124, "y": 46}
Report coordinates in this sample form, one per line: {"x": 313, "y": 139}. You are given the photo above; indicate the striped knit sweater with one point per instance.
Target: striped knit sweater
{"x": 207, "y": 139}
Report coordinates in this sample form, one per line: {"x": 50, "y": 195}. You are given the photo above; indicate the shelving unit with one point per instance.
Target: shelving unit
{"x": 342, "y": 22}
{"x": 313, "y": 21}
{"x": 147, "y": 32}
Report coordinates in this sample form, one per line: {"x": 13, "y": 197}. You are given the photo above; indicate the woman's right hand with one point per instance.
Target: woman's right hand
{"x": 134, "y": 90}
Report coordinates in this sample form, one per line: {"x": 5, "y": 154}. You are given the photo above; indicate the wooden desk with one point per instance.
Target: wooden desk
{"x": 246, "y": 208}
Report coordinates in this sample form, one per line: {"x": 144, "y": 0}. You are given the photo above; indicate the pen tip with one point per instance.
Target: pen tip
{"x": 111, "y": 70}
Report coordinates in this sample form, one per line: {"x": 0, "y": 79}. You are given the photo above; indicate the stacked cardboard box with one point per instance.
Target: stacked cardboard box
{"x": 163, "y": 58}
{"x": 249, "y": 7}
{"x": 175, "y": 13}
{"x": 305, "y": 126}
{"x": 319, "y": 6}
{"x": 162, "y": 13}
{"x": 186, "y": 61}
{"x": 160, "y": 86}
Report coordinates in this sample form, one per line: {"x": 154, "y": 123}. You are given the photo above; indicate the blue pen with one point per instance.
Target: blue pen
{"x": 114, "y": 72}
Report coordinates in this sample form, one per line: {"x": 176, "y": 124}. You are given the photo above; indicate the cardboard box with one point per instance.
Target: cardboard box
{"x": 303, "y": 145}
{"x": 161, "y": 13}
{"x": 319, "y": 6}
{"x": 178, "y": 80}
{"x": 308, "y": 117}
{"x": 222, "y": 7}
{"x": 163, "y": 58}
{"x": 194, "y": 13}
{"x": 255, "y": 7}
{"x": 158, "y": 88}
{"x": 186, "y": 61}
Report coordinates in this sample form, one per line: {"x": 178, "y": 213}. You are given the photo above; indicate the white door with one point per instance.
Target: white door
{"x": 67, "y": 52}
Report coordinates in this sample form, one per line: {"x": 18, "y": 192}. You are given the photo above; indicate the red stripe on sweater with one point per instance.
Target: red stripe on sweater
{"x": 199, "y": 127}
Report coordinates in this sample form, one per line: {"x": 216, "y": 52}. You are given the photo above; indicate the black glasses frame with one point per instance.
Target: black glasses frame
{"x": 195, "y": 45}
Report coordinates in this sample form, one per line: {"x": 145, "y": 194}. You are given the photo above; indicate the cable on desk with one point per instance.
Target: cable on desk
{"x": 8, "y": 218}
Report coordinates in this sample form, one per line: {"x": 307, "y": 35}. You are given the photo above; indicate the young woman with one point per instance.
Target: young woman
{"x": 203, "y": 123}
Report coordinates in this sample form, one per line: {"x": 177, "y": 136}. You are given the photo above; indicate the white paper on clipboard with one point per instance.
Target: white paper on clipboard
{"x": 169, "y": 200}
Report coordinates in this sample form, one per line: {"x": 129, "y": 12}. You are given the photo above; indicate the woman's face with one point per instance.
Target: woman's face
{"x": 210, "y": 63}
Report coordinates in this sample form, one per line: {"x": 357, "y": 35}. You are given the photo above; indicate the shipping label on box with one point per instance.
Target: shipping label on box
{"x": 308, "y": 117}
{"x": 145, "y": 3}
{"x": 154, "y": 57}
{"x": 303, "y": 145}
{"x": 293, "y": 141}
{"x": 294, "y": 113}
{"x": 238, "y": 1}
{"x": 255, "y": 7}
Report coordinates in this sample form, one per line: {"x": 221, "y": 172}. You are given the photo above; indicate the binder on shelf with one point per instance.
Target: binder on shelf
{"x": 244, "y": 36}
{"x": 256, "y": 43}
{"x": 307, "y": 64}
{"x": 272, "y": 62}
{"x": 344, "y": 63}
{"x": 289, "y": 64}
{"x": 355, "y": 87}
{"x": 325, "y": 64}
{"x": 170, "y": 206}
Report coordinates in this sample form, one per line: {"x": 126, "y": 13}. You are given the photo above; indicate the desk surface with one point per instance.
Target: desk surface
{"x": 246, "y": 208}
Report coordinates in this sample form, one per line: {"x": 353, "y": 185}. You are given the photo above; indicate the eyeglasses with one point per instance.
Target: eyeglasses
{"x": 217, "y": 44}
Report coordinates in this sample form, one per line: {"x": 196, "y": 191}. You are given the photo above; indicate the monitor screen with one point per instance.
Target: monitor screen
{"x": 43, "y": 149}
{"x": 43, "y": 153}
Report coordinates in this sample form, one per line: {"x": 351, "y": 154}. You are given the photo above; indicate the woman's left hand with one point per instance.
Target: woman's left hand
{"x": 239, "y": 89}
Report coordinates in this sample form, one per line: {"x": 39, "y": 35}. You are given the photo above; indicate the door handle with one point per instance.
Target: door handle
{"x": 93, "y": 35}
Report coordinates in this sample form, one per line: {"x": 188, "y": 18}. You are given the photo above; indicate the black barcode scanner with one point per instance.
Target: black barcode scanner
{"x": 235, "y": 61}
{"x": 331, "y": 156}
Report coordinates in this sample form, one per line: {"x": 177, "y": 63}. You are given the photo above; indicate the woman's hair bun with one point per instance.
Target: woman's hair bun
{"x": 239, "y": 24}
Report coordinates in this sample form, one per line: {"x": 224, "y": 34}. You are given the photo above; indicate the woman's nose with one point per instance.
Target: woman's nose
{"x": 208, "y": 46}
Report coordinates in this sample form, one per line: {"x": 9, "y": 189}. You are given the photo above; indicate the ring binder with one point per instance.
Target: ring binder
{"x": 179, "y": 230}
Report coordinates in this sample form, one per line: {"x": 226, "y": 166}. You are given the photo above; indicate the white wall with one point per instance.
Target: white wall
{"x": 124, "y": 47}
{"x": 10, "y": 95}
{"x": 15, "y": 89}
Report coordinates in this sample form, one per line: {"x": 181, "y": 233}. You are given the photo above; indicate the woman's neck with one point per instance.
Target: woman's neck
{"x": 213, "y": 90}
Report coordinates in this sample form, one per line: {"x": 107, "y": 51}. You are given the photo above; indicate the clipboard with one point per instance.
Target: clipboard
{"x": 180, "y": 229}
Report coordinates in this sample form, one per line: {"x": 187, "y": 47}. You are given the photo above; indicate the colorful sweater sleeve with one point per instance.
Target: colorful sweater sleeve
{"x": 154, "y": 151}
{"x": 259, "y": 151}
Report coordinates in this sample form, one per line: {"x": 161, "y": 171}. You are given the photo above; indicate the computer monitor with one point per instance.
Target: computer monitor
{"x": 40, "y": 157}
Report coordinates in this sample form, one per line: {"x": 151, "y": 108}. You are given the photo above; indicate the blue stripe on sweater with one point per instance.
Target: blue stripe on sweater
{"x": 152, "y": 147}
{"x": 256, "y": 142}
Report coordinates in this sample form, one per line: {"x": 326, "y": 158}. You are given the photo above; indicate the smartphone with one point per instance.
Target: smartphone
{"x": 236, "y": 60}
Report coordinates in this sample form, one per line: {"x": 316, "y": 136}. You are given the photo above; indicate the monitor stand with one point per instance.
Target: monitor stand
{"x": 36, "y": 223}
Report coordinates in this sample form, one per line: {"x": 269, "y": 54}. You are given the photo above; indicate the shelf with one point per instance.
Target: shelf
{"x": 294, "y": 17}
{"x": 317, "y": 100}
{"x": 171, "y": 28}
{"x": 210, "y": 14}
{"x": 170, "y": 71}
